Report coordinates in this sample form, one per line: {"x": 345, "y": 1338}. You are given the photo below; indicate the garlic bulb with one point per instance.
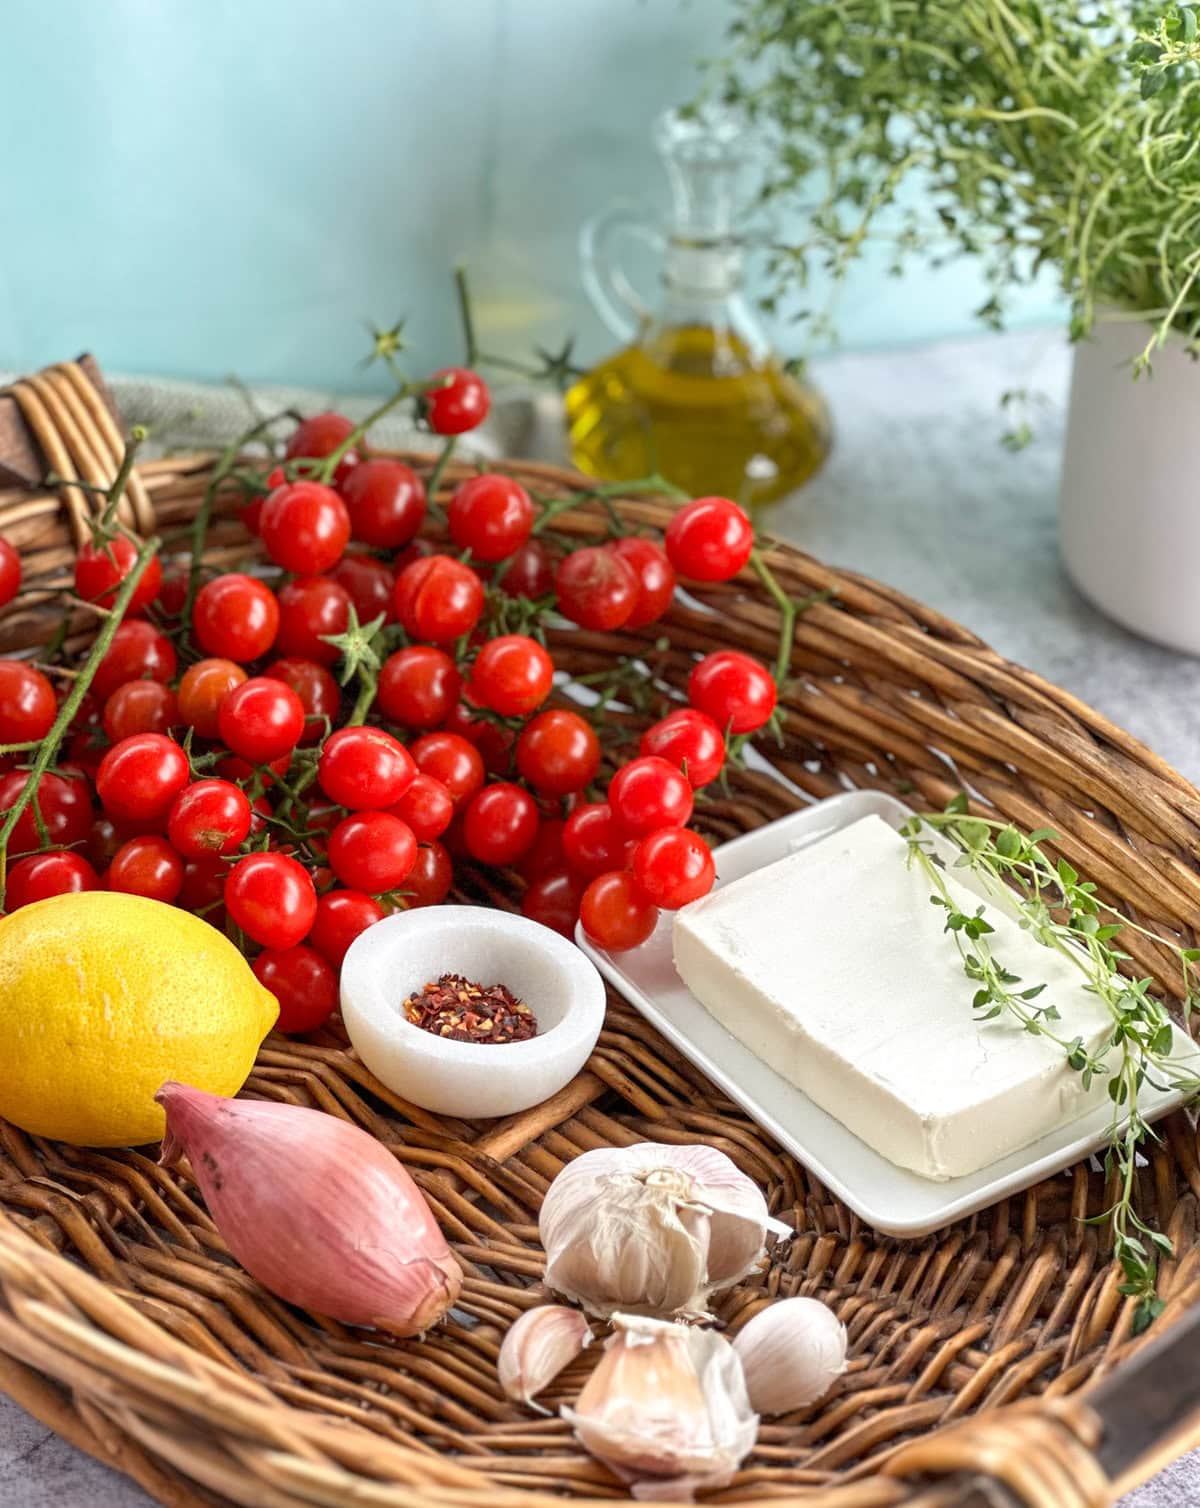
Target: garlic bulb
{"x": 538, "y": 1346}
{"x": 666, "y": 1409}
{"x": 791, "y": 1353}
{"x": 652, "y": 1228}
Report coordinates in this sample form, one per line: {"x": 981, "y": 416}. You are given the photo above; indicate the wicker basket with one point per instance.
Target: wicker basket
{"x": 983, "y": 1360}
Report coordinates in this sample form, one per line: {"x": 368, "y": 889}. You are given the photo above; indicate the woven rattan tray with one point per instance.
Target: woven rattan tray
{"x": 991, "y": 1364}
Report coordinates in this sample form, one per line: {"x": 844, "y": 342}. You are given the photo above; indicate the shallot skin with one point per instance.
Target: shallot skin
{"x": 315, "y": 1209}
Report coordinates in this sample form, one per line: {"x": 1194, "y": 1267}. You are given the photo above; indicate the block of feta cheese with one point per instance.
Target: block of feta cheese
{"x": 832, "y": 967}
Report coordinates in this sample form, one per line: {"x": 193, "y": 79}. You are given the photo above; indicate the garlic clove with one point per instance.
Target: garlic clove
{"x": 538, "y": 1346}
{"x": 791, "y": 1352}
{"x": 666, "y": 1408}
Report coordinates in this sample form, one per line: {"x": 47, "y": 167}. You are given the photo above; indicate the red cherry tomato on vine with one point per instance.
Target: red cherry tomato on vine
{"x": 558, "y": 752}
{"x": 138, "y": 652}
{"x": 234, "y": 768}
{"x": 547, "y": 854}
{"x": 203, "y": 888}
{"x": 342, "y": 915}
{"x": 512, "y": 675}
{"x": 261, "y": 720}
{"x": 596, "y": 588}
{"x": 370, "y": 583}
{"x": 500, "y": 824}
{"x": 490, "y": 515}
{"x": 460, "y": 401}
{"x": 735, "y": 690}
{"x": 553, "y": 899}
{"x": 100, "y": 571}
{"x": 310, "y": 610}
{"x": 10, "y": 572}
{"x": 386, "y": 503}
{"x": 43, "y": 875}
{"x": 140, "y": 777}
{"x": 418, "y": 686}
{"x": 302, "y": 982}
{"x": 172, "y": 594}
{"x": 689, "y": 740}
{"x": 372, "y": 851}
{"x": 426, "y": 806}
{"x": 710, "y": 539}
{"x": 593, "y": 840}
{"x": 209, "y": 817}
{"x": 317, "y": 690}
{"x": 235, "y": 617}
{"x": 140, "y": 707}
{"x": 649, "y": 793}
{"x": 364, "y": 767}
{"x": 615, "y": 913}
{"x": 453, "y": 760}
{"x": 203, "y": 688}
{"x": 104, "y": 838}
{"x": 271, "y": 898}
{"x": 673, "y": 866}
{"x": 528, "y": 573}
{"x": 430, "y": 878}
{"x": 318, "y": 436}
{"x": 305, "y": 527}
{"x": 28, "y": 705}
{"x": 148, "y": 866}
{"x": 65, "y": 805}
{"x": 494, "y": 741}
{"x": 437, "y": 598}
{"x": 655, "y": 577}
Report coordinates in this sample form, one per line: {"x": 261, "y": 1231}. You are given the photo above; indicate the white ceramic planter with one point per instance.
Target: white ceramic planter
{"x": 1129, "y": 509}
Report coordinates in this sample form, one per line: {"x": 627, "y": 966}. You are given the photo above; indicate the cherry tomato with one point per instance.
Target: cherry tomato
{"x": 234, "y": 768}
{"x": 673, "y": 866}
{"x": 547, "y": 854}
{"x": 305, "y": 527}
{"x": 512, "y": 675}
{"x": 317, "y": 690}
{"x": 500, "y": 824}
{"x": 204, "y": 888}
{"x": 310, "y": 610}
{"x": 369, "y": 582}
{"x": 596, "y": 588}
{"x": 529, "y": 573}
{"x": 593, "y": 841}
{"x": 364, "y": 767}
{"x": 710, "y": 539}
{"x": 649, "y": 793}
{"x": 372, "y": 851}
{"x": 138, "y": 652}
{"x": 271, "y": 898}
{"x": 691, "y": 741}
{"x": 615, "y": 913}
{"x": 172, "y": 594}
{"x": 655, "y": 577}
{"x": 342, "y": 915}
{"x": 426, "y": 807}
{"x": 303, "y": 984}
{"x": 147, "y": 866}
{"x": 104, "y": 838}
{"x": 490, "y": 515}
{"x": 317, "y": 437}
{"x": 10, "y": 573}
{"x": 140, "y": 777}
{"x": 558, "y": 752}
{"x": 209, "y": 817}
{"x": 386, "y": 503}
{"x": 43, "y": 875}
{"x": 453, "y": 760}
{"x": 553, "y": 899}
{"x": 438, "y": 599}
{"x": 28, "y": 705}
{"x": 99, "y": 573}
{"x": 430, "y": 878}
{"x": 203, "y": 688}
{"x": 140, "y": 707}
{"x": 460, "y": 403}
{"x": 64, "y": 803}
{"x": 418, "y": 686}
{"x": 235, "y": 617}
{"x": 735, "y": 690}
{"x": 494, "y": 741}
{"x": 262, "y": 719}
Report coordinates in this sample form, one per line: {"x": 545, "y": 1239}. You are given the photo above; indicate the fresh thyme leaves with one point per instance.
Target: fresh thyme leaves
{"x": 1064, "y": 913}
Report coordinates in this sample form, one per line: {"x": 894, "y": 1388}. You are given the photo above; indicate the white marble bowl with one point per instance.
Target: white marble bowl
{"x": 395, "y": 957}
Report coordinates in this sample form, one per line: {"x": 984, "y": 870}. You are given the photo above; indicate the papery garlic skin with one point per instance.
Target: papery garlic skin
{"x": 315, "y": 1209}
{"x": 666, "y": 1408}
{"x": 538, "y": 1346}
{"x": 652, "y": 1228}
{"x": 792, "y": 1352}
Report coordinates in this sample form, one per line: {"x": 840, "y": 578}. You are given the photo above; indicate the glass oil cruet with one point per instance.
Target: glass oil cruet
{"x": 695, "y": 394}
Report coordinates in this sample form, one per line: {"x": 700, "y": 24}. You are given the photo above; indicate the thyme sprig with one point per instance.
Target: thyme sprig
{"x": 1064, "y": 913}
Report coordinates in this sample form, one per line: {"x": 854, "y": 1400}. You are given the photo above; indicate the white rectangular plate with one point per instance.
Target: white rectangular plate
{"x": 893, "y": 1200}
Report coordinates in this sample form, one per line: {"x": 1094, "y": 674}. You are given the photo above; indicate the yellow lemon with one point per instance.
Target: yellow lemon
{"x": 105, "y": 996}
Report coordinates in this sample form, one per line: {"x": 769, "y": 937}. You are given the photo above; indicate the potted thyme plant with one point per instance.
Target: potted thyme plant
{"x": 1061, "y": 132}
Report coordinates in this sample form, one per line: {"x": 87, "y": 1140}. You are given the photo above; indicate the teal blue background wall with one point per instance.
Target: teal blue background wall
{"x": 199, "y": 187}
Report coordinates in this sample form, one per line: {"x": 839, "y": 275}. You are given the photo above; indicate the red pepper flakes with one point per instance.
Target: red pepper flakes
{"x": 464, "y": 1011}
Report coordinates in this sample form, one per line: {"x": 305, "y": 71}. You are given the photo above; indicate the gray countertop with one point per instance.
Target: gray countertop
{"x": 921, "y": 493}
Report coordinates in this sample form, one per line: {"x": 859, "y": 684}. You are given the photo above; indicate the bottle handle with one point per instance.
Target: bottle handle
{"x": 613, "y": 296}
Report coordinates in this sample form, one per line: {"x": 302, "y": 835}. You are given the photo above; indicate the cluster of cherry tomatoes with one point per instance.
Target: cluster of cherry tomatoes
{"x": 218, "y": 764}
